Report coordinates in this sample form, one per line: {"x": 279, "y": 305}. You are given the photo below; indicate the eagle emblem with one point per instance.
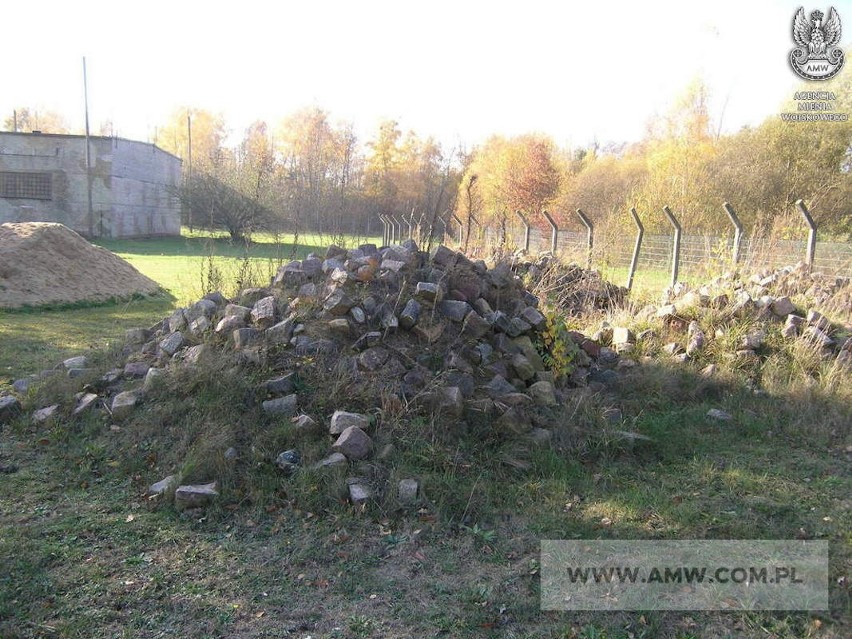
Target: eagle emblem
{"x": 816, "y": 56}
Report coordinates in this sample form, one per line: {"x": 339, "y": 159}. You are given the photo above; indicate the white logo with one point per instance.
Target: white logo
{"x": 817, "y": 56}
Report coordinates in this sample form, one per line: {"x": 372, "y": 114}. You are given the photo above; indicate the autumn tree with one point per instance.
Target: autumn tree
{"x": 26, "y": 120}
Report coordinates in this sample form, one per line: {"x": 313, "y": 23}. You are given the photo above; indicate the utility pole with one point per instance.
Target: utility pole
{"x": 189, "y": 166}
{"x": 89, "y": 159}
{"x": 15, "y": 120}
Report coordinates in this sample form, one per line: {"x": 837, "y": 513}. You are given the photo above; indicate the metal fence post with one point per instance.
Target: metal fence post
{"x": 811, "y": 250}
{"x": 589, "y": 236}
{"x": 738, "y": 231}
{"x": 385, "y": 231}
{"x": 526, "y": 230}
{"x": 634, "y": 261}
{"x": 461, "y": 227}
{"x": 676, "y": 247}
{"x": 554, "y": 232}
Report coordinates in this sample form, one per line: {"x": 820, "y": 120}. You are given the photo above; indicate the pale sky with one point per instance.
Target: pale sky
{"x": 457, "y": 70}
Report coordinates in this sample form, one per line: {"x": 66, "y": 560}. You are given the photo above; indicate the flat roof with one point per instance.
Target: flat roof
{"x": 77, "y": 136}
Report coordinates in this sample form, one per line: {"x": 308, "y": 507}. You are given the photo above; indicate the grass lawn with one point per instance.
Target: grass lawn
{"x": 85, "y": 553}
{"x": 33, "y": 340}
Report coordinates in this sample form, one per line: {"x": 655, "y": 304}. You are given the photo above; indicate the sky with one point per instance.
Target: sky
{"x": 459, "y": 71}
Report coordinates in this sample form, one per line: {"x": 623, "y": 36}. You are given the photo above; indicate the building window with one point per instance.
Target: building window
{"x": 26, "y": 186}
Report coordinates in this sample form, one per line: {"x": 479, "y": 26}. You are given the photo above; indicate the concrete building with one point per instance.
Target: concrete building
{"x": 43, "y": 178}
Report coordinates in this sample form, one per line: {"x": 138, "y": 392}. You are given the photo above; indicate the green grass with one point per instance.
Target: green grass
{"x": 32, "y": 340}
{"x": 85, "y": 553}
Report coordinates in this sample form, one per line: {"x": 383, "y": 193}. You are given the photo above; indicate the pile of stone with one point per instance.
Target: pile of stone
{"x": 445, "y": 335}
{"x": 571, "y": 289}
{"x": 763, "y": 299}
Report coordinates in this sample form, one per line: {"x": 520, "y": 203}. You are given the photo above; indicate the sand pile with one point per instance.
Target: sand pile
{"x": 46, "y": 263}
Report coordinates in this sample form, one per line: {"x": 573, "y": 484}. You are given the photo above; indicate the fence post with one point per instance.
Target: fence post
{"x": 634, "y": 261}
{"x": 385, "y": 231}
{"x": 395, "y": 234}
{"x": 526, "y": 230}
{"x": 589, "y": 235}
{"x": 461, "y": 227}
{"x": 676, "y": 247}
{"x": 554, "y": 232}
{"x": 738, "y": 231}
{"x": 809, "y": 257}
{"x": 410, "y": 223}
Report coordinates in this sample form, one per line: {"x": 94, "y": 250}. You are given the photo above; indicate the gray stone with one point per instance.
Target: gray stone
{"x": 498, "y": 387}
{"x": 354, "y": 443}
{"x": 410, "y": 314}
{"x": 10, "y": 408}
{"x": 534, "y": 318}
{"x": 427, "y": 291}
{"x": 305, "y": 425}
{"x": 235, "y": 310}
{"x": 454, "y": 310}
{"x": 263, "y": 313}
{"x": 247, "y": 337}
{"x": 696, "y": 339}
{"x": 517, "y": 327}
{"x": 543, "y": 393}
{"x": 195, "y": 496}
{"x": 42, "y": 415}
{"x": 524, "y": 343}
{"x": 449, "y": 401}
{"x": 815, "y": 318}
{"x": 199, "y": 326}
{"x": 333, "y": 460}
{"x": 194, "y": 353}
{"x": 288, "y": 461}
{"x": 388, "y": 320}
{"x": 359, "y": 493}
{"x": 281, "y": 406}
{"x": 123, "y": 404}
{"x": 358, "y": 315}
{"x": 338, "y": 303}
{"x": 340, "y": 327}
{"x": 231, "y": 454}
{"x": 673, "y": 348}
{"x": 284, "y": 385}
{"x": 86, "y": 401}
{"x": 341, "y": 420}
{"x": 783, "y": 306}
{"x": 282, "y": 332}
{"x": 151, "y": 378}
{"x": 80, "y": 361}
{"x": 523, "y": 368}
{"x": 607, "y": 355}
{"x": 394, "y": 266}
{"x": 475, "y": 326}
{"x": 21, "y": 386}
{"x": 172, "y": 343}
{"x": 753, "y": 340}
{"x": 514, "y": 421}
{"x": 443, "y": 257}
{"x": 666, "y": 311}
{"x": 719, "y": 414}
{"x": 406, "y": 492}
{"x": 161, "y": 487}
{"x": 541, "y": 436}
{"x": 373, "y": 358}
{"x": 818, "y": 337}
{"x": 622, "y": 335}
{"x": 612, "y": 415}
{"x": 332, "y": 263}
{"x": 176, "y": 321}
{"x": 202, "y": 308}
{"x": 227, "y": 325}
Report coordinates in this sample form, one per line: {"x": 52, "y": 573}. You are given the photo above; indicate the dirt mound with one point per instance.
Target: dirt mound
{"x": 46, "y": 263}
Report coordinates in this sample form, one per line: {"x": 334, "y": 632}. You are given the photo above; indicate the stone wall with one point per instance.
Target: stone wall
{"x": 132, "y": 184}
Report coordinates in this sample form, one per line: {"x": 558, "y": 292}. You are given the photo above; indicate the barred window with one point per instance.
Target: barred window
{"x": 28, "y": 186}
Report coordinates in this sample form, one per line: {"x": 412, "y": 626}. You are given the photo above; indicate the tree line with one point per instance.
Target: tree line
{"x": 310, "y": 173}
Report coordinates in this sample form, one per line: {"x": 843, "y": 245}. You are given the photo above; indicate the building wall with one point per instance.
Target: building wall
{"x": 132, "y": 184}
